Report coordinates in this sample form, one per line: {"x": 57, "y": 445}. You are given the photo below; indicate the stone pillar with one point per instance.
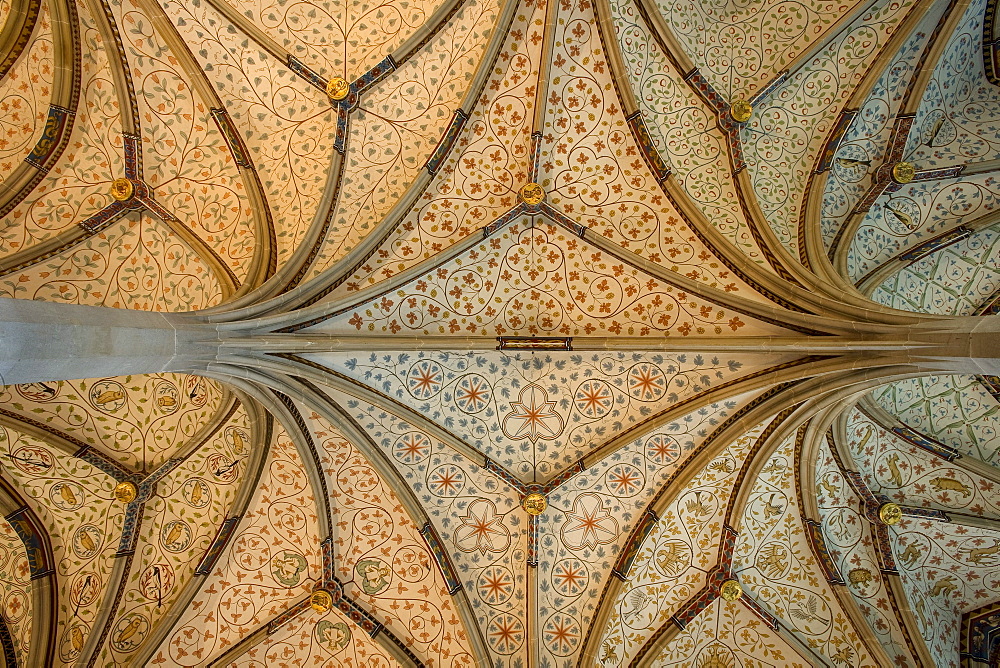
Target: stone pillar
{"x": 966, "y": 345}
{"x": 42, "y": 341}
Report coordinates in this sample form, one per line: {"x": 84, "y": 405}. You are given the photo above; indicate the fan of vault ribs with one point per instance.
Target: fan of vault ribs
{"x": 517, "y": 170}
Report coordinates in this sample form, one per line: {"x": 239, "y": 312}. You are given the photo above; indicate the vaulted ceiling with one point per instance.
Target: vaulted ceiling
{"x": 680, "y": 268}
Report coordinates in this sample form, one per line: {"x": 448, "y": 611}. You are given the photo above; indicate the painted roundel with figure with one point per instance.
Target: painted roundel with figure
{"x": 108, "y": 396}
{"x": 509, "y": 333}
{"x": 374, "y": 575}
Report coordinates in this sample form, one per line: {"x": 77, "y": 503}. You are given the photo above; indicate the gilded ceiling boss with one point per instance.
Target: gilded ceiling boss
{"x": 499, "y": 333}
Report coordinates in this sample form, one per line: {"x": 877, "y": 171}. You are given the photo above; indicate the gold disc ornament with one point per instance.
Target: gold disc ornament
{"x": 126, "y": 491}
{"x": 321, "y": 600}
{"x": 741, "y": 111}
{"x": 534, "y": 503}
{"x": 890, "y": 513}
{"x": 531, "y": 194}
{"x": 122, "y": 189}
{"x": 337, "y": 88}
{"x": 731, "y": 590}
{"x": 903, "y": 172}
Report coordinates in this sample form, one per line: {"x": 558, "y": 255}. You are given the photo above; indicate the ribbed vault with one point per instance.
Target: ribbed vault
{"x": 528, "y": 333}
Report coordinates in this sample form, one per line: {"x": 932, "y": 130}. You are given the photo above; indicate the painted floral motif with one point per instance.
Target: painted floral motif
{"x": 777, "y": 567}
{"x": 588, "y": 524}
{"x": 15, "y": 586}
{"x": 340, "y": 38}
{"x": 406, "y": 451}
{"x": 740, "y": 47}
{"x": 399, "y": 122}
{"x": 496, "y": 584}
{"x": 133, "y": 263}
{"x": 412, "y": 448}
{"x": 593, "y": 172}
{"x": 958, "y": 411}
{"x": 625, "y": 480}
{"x": 955, "y": 280}
{"x": 684, "y": 130}
{"x": 483, "y": 527}
{"x": 278, "y": 530}
{"x": 24, "y": 106}
{"x": 381, "y": 558}
{"x": 477, "y": 181}
{"x": 594, "y": 398}
{"x": 567, "y": 569}
{"x": 922, "y": 211}
{"x": 790, "y": 126}
{"x": 570, "y": 577}
{"x": 593, "y": 395}
{"x": 573, "y": 289}
{"x": 953, "y": 124}
{"x": 864, "y": 143}
{"x": 662, "y": 448}
{"x": 472, "y": 393}
{"x": 446, "y": 480}
{"x": 646, "y": 382}
{"x": 425, "y": 379}
{"x": 482, "y": 530}
{"x": 505, "y": 634}
{"x": 533, "y": 416}
{"x": 854, "y": 548}
{"x": 728, "y": 634}
{"x": 177, "y": 130}
{"x": 561, "y": 634}
{"x": 76, "y": 186}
